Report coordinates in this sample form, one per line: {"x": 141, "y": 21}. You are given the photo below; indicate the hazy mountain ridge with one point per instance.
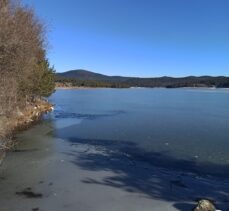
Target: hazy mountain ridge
{"x": 87, "y": 78}
{"x": 81, "y": 74}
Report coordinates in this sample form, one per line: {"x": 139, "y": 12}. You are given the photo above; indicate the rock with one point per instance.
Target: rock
{"x": 205, "y": 205}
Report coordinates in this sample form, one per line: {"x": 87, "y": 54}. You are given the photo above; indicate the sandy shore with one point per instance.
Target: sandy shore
{"x": 47, "y": 173}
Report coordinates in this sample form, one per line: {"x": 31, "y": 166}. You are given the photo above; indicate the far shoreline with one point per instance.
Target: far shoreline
{"x": 76, "y": 87}
{"x": 88, "y": 87}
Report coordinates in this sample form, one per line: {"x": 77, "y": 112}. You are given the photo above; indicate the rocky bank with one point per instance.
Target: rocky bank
{"x": 21, "y": 119}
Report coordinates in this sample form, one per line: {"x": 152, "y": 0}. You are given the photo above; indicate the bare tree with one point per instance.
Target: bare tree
{"x": 22, "y": 50}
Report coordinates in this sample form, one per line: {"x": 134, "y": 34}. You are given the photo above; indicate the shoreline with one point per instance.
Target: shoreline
{"x": 78, "y": 87}
{"x": 22, "y": 120}
{"x": 142, "y": 87}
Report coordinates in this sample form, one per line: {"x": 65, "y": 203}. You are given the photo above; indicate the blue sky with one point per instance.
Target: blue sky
{"x": 138, "y": 37}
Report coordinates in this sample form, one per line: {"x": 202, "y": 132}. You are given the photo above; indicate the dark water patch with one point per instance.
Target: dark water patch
{"x": 3, "y": 177}
{"x": 28, "y": 193}
{"x": 177, "y": 183}
{"x": 25, "y": 150}
{"x": 185, "y": 206}
{"x": 131, "y": 153}
{"x": 65, "y": 115}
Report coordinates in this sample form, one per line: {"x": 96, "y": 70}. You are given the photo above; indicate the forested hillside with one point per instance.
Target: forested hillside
{"x": 87, "y": 78}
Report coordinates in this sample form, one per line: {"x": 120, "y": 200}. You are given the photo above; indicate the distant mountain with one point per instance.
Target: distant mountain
{"x": 87, "y": 78}
{"x": 80, "y": 74}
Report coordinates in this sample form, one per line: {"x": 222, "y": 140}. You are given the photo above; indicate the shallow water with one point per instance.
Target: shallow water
{"x": 180, "y": 128}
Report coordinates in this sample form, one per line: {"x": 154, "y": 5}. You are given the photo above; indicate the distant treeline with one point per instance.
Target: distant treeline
{"x": 90, "y": 79}
{"x": 25, "y": 72}
{"x": 88, "y": 83}
{"x": 169, "y": 82}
